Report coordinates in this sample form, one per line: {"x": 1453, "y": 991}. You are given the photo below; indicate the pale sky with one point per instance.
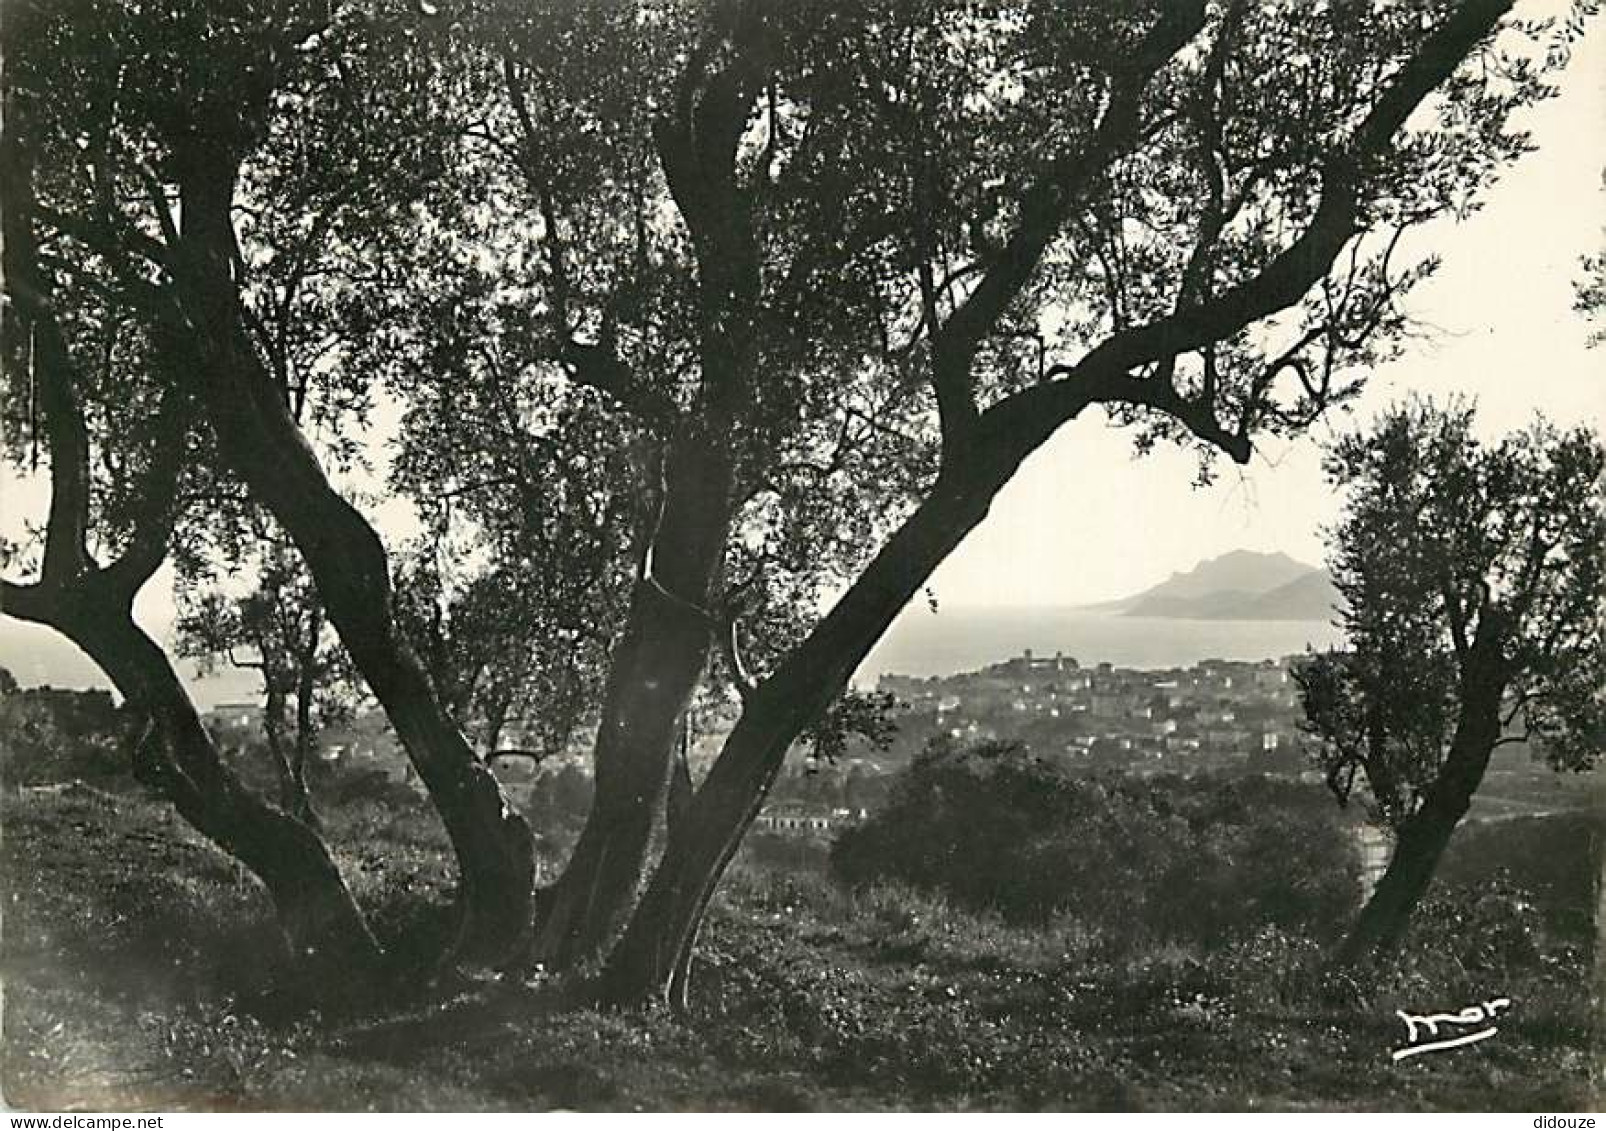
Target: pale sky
{"x": 1084, "y": 520}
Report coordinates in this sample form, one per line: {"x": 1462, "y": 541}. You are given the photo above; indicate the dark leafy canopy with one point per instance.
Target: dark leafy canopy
{"x": 511, "y": 648}
{"x": 904, "y": 186}
{"x": 914, "y": 184}
{"x": 84, "y": 388}
{"x": 513, "y": 591}
{"x": 91, "y": 101}
{"x": 1450, "y": 544}
{"x": 335, "y": 258}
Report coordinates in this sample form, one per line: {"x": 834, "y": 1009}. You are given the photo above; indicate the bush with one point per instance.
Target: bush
{"x": 1492, "y": 927}
{"x": 1553, "y": 857}
{"x": 1196, "y": 860}
{"x": 52, "y": 734}
{"x": 364, "y": 786}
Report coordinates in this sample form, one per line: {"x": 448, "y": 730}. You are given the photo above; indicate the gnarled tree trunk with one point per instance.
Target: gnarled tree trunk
{"x": 652, "y": 958}
{"x": 653, "y": 673}
{"x": 93, "y": 607}
{"x": 1424, "y": 835}
{"x": 326, "y": 932}
{"x": 664, "y": 648}
{"x": 257, "y": 434}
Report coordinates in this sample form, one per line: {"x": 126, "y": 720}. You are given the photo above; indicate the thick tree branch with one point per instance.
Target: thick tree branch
{"x": 600, "y": 367}
{"x": 697, "y": 142}
{"x": 1044, "y": 209}
{"x": 1205, "y": 110}
{"x": 37, "y": 346}
{"x": 597, "y": 365}
{"x": 1303, "y": 264}
{"x": 1280, "y": 284}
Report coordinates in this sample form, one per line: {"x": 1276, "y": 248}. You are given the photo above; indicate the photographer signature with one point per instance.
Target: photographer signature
{"x": 1416, "y": 1024}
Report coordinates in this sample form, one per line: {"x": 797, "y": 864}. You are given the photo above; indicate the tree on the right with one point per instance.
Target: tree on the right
{"x": 1471, "y": 582}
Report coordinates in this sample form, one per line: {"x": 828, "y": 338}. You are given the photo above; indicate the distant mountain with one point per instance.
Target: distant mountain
{"x": 1311, "y": 597}
{"x": 1241, "y": 585}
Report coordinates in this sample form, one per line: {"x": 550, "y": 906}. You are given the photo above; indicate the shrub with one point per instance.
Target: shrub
{"x": 1492, "y": 927}
{"x": 1553, "y": 857}
{"x": 52, "y": 734}
{"x": 1199, "y": 860}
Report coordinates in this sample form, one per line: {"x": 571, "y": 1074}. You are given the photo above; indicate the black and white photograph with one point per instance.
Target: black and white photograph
{"x": 690, "y": 556}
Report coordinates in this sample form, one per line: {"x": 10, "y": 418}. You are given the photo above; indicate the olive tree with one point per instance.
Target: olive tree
{"x": 88, "y": 384}
{"x": 278, "y": 629}
{"x": 810, "y": 282}
{"x": 1472, "y": 580}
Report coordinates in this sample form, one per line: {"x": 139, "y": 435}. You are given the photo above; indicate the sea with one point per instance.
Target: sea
{"x": 919, "y": 642}
{"x": 925, "y": 643}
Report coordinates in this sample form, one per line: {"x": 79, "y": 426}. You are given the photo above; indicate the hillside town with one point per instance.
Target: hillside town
{"x": 1217, "y": 715}
{"x": 1220, "y": 716}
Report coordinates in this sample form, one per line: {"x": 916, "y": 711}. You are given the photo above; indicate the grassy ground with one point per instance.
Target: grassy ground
{"x": 140, "y": 971}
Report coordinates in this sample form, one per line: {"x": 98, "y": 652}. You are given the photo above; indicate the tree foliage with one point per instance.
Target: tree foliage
{"x": 279, "y": 628}
{"x": 879, "y": 164}
{"x": 1452, "y": 550}
{"x": 702, "y": 318}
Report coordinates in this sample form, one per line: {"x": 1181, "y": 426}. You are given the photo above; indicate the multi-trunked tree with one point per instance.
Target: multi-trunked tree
{"x": 768, "y": 301}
